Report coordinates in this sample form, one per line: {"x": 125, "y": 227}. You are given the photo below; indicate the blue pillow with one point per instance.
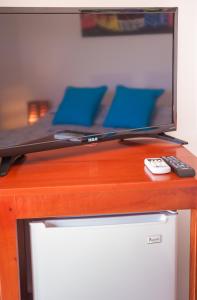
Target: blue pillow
{"x": 132, "y": 107}
{"x": 79, "y": 106}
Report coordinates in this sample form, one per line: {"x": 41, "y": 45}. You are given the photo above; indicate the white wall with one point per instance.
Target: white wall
{"x": 187, "y": 82}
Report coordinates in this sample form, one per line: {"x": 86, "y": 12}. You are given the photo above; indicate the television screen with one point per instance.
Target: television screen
{"x": 77, "y": 76}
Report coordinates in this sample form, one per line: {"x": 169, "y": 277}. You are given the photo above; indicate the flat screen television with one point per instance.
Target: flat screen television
{"x": 77, "y": 76}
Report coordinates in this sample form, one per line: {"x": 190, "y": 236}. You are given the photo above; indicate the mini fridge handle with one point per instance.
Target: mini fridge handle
{"x": 140, "y": 219}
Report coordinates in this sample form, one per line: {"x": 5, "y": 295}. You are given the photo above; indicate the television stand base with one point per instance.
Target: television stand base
{"x": 169, "y": 138}
{"x": 161, "y": 136}
{"x": 8, "y": 161}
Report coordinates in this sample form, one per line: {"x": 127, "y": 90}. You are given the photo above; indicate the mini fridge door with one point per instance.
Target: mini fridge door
{"x": 112, "y": 258}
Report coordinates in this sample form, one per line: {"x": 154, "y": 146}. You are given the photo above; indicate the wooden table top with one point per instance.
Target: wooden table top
{"x": 96, "y": 164}
{"x": 103, "y": 179}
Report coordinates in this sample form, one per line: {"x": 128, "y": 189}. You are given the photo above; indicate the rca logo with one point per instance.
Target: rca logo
{"x": 93, "y": 139}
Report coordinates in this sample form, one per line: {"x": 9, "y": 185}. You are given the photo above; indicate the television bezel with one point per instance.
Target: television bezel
{"x": 37, "y": 146}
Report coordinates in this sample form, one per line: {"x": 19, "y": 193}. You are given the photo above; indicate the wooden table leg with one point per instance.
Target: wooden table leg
{"x": 9, "y": 273}
{"x": 193, "y": 255}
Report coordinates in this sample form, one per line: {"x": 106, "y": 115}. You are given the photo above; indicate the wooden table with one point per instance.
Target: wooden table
{"x": 107, "y": 178}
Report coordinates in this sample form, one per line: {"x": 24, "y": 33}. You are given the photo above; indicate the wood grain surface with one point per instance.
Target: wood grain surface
{"x": 105, "y": 178}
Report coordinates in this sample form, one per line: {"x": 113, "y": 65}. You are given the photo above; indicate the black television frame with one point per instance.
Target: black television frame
{"x": 13, "y": 154}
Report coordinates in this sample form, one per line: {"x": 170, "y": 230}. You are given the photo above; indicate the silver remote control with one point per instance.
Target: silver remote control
{"x": 157, "y": 165}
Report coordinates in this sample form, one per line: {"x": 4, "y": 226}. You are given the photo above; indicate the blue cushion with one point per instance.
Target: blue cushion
{"x": 132, "y": 107}
{"x": 79, "y": 105}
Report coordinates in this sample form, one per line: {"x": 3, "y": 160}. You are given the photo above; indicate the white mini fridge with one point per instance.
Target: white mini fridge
{"x": 130, "y": 257}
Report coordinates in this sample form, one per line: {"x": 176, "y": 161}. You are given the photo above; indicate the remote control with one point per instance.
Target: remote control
{"x": 180, "y": 168}
{"x": 74, "y": 137}
{"x": 157, "y": 165}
